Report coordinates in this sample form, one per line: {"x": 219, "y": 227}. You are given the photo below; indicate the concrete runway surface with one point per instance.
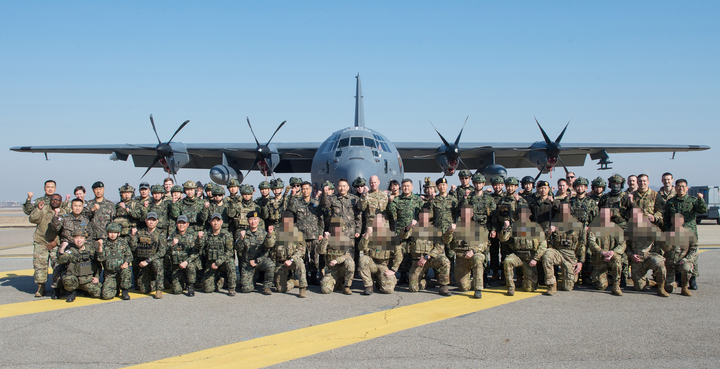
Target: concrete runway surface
{"x": 581, "y": 328}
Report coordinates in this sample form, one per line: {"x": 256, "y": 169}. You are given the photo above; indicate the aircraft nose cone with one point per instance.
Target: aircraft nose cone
{"x": 354, "y": 168}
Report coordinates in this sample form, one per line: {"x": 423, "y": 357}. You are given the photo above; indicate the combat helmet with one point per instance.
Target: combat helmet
{"x": 616, "y": 178}
{"x": 580, "y": 181}
{"x": 126, "y": 188}
{"x": 233, "y": 183}
{"x": 528, "y": 179}
{"x": 247, "y": 189}
{"x": 478, "y": 178}
{"x": 176, "y": 188}
{"x": 276, "y": 183}
{"x": 189, "y": 185}
{"x": 156, "y": 188}
{"x": 598, "y": 182}
{"x": 511, "y": 181}
{"x": 464, "y": 173}
{"x": 358, "y": 182}
{"x": 264, "y": 185}
{"x": 217, "y": 190}
{"x": 113, "y": 227}
{"x": 497, "y": 180}
{"x": 295, "y": 181}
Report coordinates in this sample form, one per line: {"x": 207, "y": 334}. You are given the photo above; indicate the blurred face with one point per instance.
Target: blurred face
{"x": 158, "y": 196}
{"x": 80, "y": 194}
{"x": 144, "y": 193}
{"x": 113, "y": 235}
{"x": 264, "y": 192}
{"x": 176, "y": 196}
{"x": 288, "y": 223}
{"x": 99, "y": 192}
{"x": 217, "y": 223}
{"x": 77, "y": 207}
{"x": 233, "y": 190}
{"x": 182, "y": 227}
{"x": 643, "y": 183}
{"x": 379, "y": 221}
{"x": 343, "y": 188}
{"x": 306, "y": 190}
{"x": 125, "y": 196}
{"x": 605, "y": 215}
{"x": 189, "y": 192}
{"x": 681, "y": 189}
{"x": 151, "y": 223}
{"x": 466, "y": 213}
{"x": 424, "y": 218}
{"x": 49, "y": 188}
{"x": 407, "y": 188}
{"x": 374, "y": 183}
{"x": 667, "y": 181}
{"x": 465, "y": 181}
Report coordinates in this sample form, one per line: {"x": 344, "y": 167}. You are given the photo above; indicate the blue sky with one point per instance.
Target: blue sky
{"x": 92, "y": 72}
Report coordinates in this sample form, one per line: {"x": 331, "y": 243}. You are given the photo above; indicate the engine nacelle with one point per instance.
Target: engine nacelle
{"x": 222, "y": 174}
{"x": 541, "y": 161}
{"x": 493, "y": 170}
{"x": 448, "y": 166}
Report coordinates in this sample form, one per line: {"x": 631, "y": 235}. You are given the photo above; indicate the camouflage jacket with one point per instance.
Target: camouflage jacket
{"x": 507, "y": 209}
{"x": 187, "y": 248}
{"x": 690, "y": 207}
{"x": 662, "y": 198}
{"x": 605, "y": 241}
{"x": 80, "y": 263}
{"x": 525, "y": 248}
{"x": 308, "y": 217}
{"x": 217, "y": 248}
{"x": 443, "y": 211}
{"x": 484, "y": 208}
{"x": 66, "y": 224}
{"x": 256, "y": 244}
{"x": 383, "y": 247}
{"x": 262, "y": 202}
{"x": 130, "y": 216}
{"x": 647, "y": 201}
{"x": 372, "y": 203}
{"x": 44, "y": 232}
{"x": 288, "y": 245}
{"x": 238, "y": 210}
{"x": 403, "y": 209}
{"x": 151, "y": 246}
{"x": 100, "y": 218}
{"x": 583, "y": 209}
{"x": 67, "y": 205}
{"x": 569, "y": 242}
{"x": 347, "y": 208}
{"x": 542, "y": 211}
{"x": 464, "y": 239}
{"x": 29, "y": 206}
{"x": 460, "y": 192}
{"x": 193, "y": 209}
{"x": 162, "y": 209}
{"x": 679, "y": 246}
{"x": 273, "y": 210}
{"x": 114, "y": 254}
{"x": 222, "y": 209}
{"x": 420, "y": 244}
{"x": 620, "y": 206}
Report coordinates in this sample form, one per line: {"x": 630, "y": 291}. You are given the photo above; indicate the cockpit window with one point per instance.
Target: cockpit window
{"x": 330, "y": 146}
{"x": 384, "y": 146}
{"x": 356, "y": 141}
{"x": 377, "y": 137}
{"x": 369, "y": 142}
{"x": 343, "y": 142}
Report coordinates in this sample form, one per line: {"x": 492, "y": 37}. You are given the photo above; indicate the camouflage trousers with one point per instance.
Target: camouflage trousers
{"x": 41, "y": 257}
{"x": 685, "y": 269}
{"x": 72, "y": 283}
{"x": 122, "y": 278}
{"x": 312, "y": 255}
{"x": 530, "y": 273}
{"x": 370, "y": 269}
{"x": 696, "y": 268}
{"x": 440, "y": 262}
{"x": 341, "y": 272}
{"x": 554, "y": 257}
{"x": 248, "y": 272}
{"x": 145, "y": 275}
{"x": 182, "y": 276}
{"x": 600, "y": 269}
{"x": 653, "y": 262}
{"x": 211, "y": 276}
{"x": 281, "y": 275}
{"x": 466, "y": 268}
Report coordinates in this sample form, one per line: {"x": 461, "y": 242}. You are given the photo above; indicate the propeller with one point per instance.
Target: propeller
{"x": 452, "y": 150}
{"x": 262, "y": 152}
{"x": 163, "y": 149}
{"x": 552, "y": 149}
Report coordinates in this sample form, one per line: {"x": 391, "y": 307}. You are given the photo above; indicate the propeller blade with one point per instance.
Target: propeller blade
{"x": 447, "y": 144}
{"x": 562, "y": 133}
{"x": 178, "y": 130}
{"x": 457, "y": 140}
{"x": 276, "y": 131}
{"x": 154, "y": 129}
{"x": 253, "y": 132}
{"x": 251, "y": 168}
{"x": 563, "y": 164}
{"x": 463, "y": 163}
{"x": 155, "y": 161}
{"x": 541, "y": 170}
{"x": 545, "y": 136}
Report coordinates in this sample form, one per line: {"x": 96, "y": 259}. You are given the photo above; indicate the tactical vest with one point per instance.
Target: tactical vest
{"x": 283, "y": 252}
{"x": 83, "y": 267}
{"x": 113, "y": 259}
{"x": 525, "y": 249}
{"x": 178, "y": 253}
{"x": 146, "y": 248}
{"x": 333, "y": 253}
{"x": 579, "y": 210}
{"x": 274, "y": 207}
{"x": 422, "y": 246}
{"x": 380, "y": 254}
{"x": 215, "y": 250}
{"x": 565, "y": 241}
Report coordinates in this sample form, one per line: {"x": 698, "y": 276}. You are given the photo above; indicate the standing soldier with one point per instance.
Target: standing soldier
{"x": 128, "y": 212}
{"x": 144, "y": 190}
{"x": 176, "y": 193}
{"x": 444, "y": 211}
{"x": 597, "y": 186}
{"x": 238, "y": 210}
{"x": 168, "y": 185}
{"x": 191, "y": 206}
{"x": 310, "y": 222}
{"x": 566, "y": 247}
{"x": 465, "y": 188}
{"x": 255, "y": 244}
{"x": 378, "y": 247}
{"x": 542, "y": 206}
{"x": 233, "y": 187}
{"x": 645, "y": 198}
{"x": 527, "y": 183}
{"x": 208, "y": 191}
{"x": 689, "y": 207}
{"x": 483, "y": 210}
{"x": 429, "y": 190}
{"x": 276, "y": 205}
{"x": 116, "y": 257}
{"x": 607, "y": 247}
{"x": 262, "y": 201}
{"x": 373, "y": 201}
{"x": 564, "y": 191}
{"x": 403, "y": 213}
{"x": 81, "y": 272}
{"x": 45, "y": 241}
{"x": 426, "y": 246}
{"x": 80, "y": 194}
{"x": 102, "y": 212}
{"x": 584, "y": 209}
{"x": 160, "y": 206}
{"x": 469, "y": 243}
{"x": 498, "y": 193}
{"x": 644, "y": 252}
{"x": 148, "y": 246}
{"x": 619, "y": 203}
{"x": 216, "y": 205}
{"x": 632, "y": 183}
{"x": 344, "y": 205}
{"x": 680, "y": 250}
{"x": 293, "y": 189}
{"x": 528, "y": 247}
{"x": 217, "y": 246}
{"x": 507, "y": 209}
{"x": 50, "y": 187}
{"x": 183, "y": 252}
{"x": 338, "y": 258}
{"x": 666, "y": 191}
{"x": 288, "y": 255}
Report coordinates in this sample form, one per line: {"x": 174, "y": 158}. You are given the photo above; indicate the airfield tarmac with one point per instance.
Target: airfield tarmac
{"x": 581, "y": 328}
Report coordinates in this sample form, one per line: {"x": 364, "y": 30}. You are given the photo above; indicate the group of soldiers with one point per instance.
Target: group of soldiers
{"x": 191, "y": 236}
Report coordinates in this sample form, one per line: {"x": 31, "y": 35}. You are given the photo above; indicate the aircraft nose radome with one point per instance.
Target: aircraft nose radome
{"x": 356, "y": 168}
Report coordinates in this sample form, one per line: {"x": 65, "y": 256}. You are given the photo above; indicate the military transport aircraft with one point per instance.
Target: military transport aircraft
{"x": 358, "y": 151}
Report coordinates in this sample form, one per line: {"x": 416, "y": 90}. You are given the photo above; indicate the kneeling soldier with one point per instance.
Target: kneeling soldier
{"x": 528, "y": 247}
{"x": 255, "y": 244}
{"x": 338, "y": 258}
{"x": 643, "y": 250}
{"x": 566, "y": 247}
{"x": 183, "y": 251}
{"x": 378, "y": 247}
{"x": 288, "y": 256}
{"x": 680, "y": 250}
{"x": 148, "y": 246}
{"x": 217, "y": 246}
{"x": 607, "y": 245}
{"x": 115, "y": 256}
{"x": 81, "y": 273}
{"x": 427, "y": 247}
{"x": 470, "y": 244}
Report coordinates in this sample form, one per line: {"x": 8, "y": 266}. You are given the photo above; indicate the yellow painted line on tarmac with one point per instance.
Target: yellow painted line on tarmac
{"x": 15, "y": 246}
{"x": 20, "y": 273}
{"x": 46, "y": 304}
{"x": 282, "y": 347}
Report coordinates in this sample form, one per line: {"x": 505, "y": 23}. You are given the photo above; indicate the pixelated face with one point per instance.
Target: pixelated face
{"x": 125, "y": 196}
{"x": 151, "y": 223}
{"x": 525, "y": 214}
{"x": 498, "y": 187}
{"x": 99, "y": 192}
{"x": 80, "y": 194}
{"x": 543, "y": 190}
{"x": 407, "y": 188}
{"x": 565, "y": 209}
{"x": 50, "y": 188}
{"x": 288, "y": 223}
{"x": 681, "y": 189}
{"x": 175, "y": 195}
{"x": 379, "y": 221}
{"x": 144, "y": 192}
{"x": 466, "y": 214}
{"x": 253, "y": 222}
{"x": 678, "y": 221}
{"x": 442, "y": 188}
{"x": 233, "y": 190}
{"x": 605, "y": 214}
{"x": 511, "y": 188}
{"x": 157, "y": 196}
{"x": 306, "y": 190}
{"x": 465, "y": 181}
{"x": 374, "y": 183}
{"x": 217, "y": 223}
{"x": 79, "y": 241}
{"x": 643, "y": 183}
{"x": 113, "y": 235}
{"x": 667, "y": 180}
{"x": 182, "y": 226}
{"x": 189, "y": 192}
{"x": 55, "y": 201}
{"x": 77, "y": 207}
{"x": 424, "y": 218}
{"x": 637, "y": 215}
{"x": 343, "y": 188}
{"x": 264, "y": 192}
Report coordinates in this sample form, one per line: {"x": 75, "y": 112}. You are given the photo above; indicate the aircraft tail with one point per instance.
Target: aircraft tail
{"x": 359, "y": 107}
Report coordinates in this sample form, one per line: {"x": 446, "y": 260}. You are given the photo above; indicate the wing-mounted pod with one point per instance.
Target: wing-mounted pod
{"x": 493, "y": 170}
{"x": 223, "y": 173}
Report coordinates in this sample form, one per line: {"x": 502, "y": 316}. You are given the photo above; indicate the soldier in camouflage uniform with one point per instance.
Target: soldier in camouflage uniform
{"x": 217, "y": 246}
{"x": 161, "y": 207}
{"x": 288, "y": 256}
{"x": 144, "y": 190}
{"x": 543, "y": 207}
{"x": 115, "y": 255}
{"x": 183, "y": 251}
{"x": 238, "y": 210}
{"x": 208, "y": 191}
{"x": 465, "y": 188}
{"x": 528, "y": 247}
{"x": 597, "y": 186}
{"x": 527, "y": 183}
{"x": 192, "y": 207}
{"x": 344, "y": 205}
{"x": 67, "y": 224}
{"x": 255, "y": 244}
{"x": 444, "y": 211}
{"x": 507, "y": 209}
{"x": 498, "y": 183}
{"x": 679, "y": 247}
{"x": 29, "y": 206}
{"x": 689, "y": 207}
{"x": 310, "y": 221}
{"x": 429, "y": 190}
{"x": 102, "y": 212}
{"x": 373, "y": 201}
{"x": 584, "y": 209}
{"x": 81, "y": 272}
{"x": 403, "y": 213}
{"x": 168, "y": 184}
{"x": 643, "y": 250}
{"x": 176, "y": 193}
{"x": 45, "y": 240}
{"x": 646, "y": 199}
{"x": 148, "y": 246}
{"x": 338, "y": 258}
{"x": 426, "y": 245}
{"x": 293, "y": 190}
{"x": 276, "y": 205}
{"x": 666, "y": 192}
{"x": 619, "y": 203}
{"x": 129, "y": 212}
{"x": 469, "y": 242}
{"x": 378, "y": 247}
{"x": 262, "y": 201}
{"x": 216, "y": 205}
{"x": 566, "y": 247}
{"x": 606, "y": 243}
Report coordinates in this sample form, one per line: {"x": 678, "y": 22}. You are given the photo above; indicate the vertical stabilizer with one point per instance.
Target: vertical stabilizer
{"x": 359, "y": 107}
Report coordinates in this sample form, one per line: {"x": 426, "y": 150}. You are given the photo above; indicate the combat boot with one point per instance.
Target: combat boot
{"x": 552, "y": 289}
{"x": 302, "y": 293}
{"x": 685, "y": 291}
{"x": 368, "y": 291}
{"x": 231, "y": 292}
{"x": 527, "y": 286}
{"x": 191, "y": 290}
{"x": 57, "y": 292}
{"x": 71, "y": 298}
{"x": 511, "y": 291}
{"x": 616, "y": 289}
{"x": 266, "y": 291}
{"x": 220, "y": 283}
{"x": 444, "y": 291}
{"x": 41, "y": 290}
{"x": 158, "y": 294}
{"x": 478, "y": 294}
{"x": 347, "y": 291}
{"x": 693, "y": 283}
{"x": 661, "y": 287}
{"x": 125, "y": 295}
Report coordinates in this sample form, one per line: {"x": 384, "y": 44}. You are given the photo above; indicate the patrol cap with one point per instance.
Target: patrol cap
{"x": 233, "y": 183}
{"x": 216, "y": 216}
{"x": 542, "y": 183}
{"x": 295, "y": 181}
{"x": 80, "y": 233}
{"x": 189, "y": 185}
{"x": 113, "y": 227}
{"x": 152, "y": 215}
{"x": 511, "y": 181}
{"x": 176, "y": 188}
{"x": 144, "y": 186}
{"x": 126, "y": 188}
{"x": 277, "y": 183}
{"x": 478, "y": 178}
{"x": 580, "y": 181}
{"x": 247, "y": 189}
{"x": 616, "y": 178}
{"x": 157, "y": 189}
{"x": 497, "y": 180}
{"x": 209, "y": 186}
{"x": 465, "y": 173}
{"x": 264, "y": 185}
{"x": 358, "y": 182}
{"x": 527, "y": 179}
{"x": 252, "y": 214}
{"x": 599, "y": 182}
{"x": 329, "y": 184}
{"x": 182, "y": 218}
{"x": 217, "y": 190}
{"x": 440, "y": 180}
{"x": 98, "y": 184}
